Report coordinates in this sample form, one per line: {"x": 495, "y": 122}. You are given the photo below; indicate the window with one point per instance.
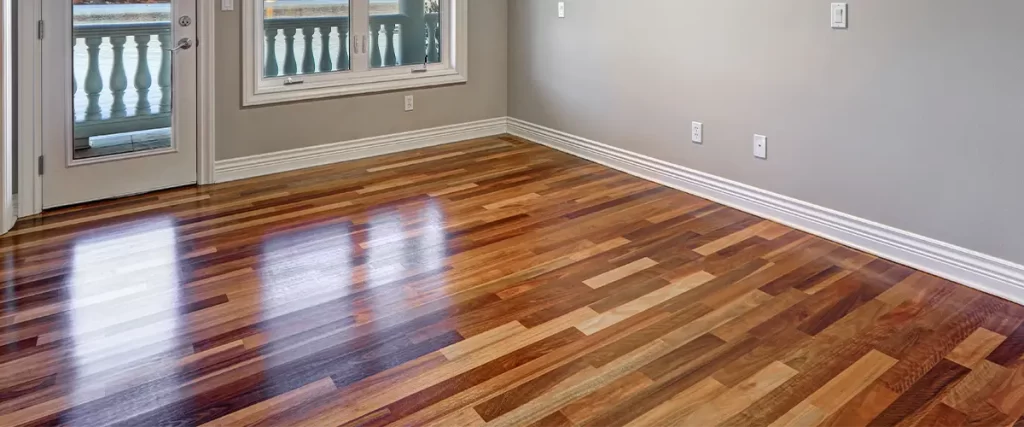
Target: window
{"x": 305, "y": 49}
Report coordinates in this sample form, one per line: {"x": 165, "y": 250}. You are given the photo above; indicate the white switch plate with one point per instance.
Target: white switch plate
{"x": 410, "y": 103}
{"x": 226, "y": 5}
{"x": 840, "y": 15}
{"x": 561, "y": 9}
{"x": 761, "y": 146}
{"x": 697, "y": 132}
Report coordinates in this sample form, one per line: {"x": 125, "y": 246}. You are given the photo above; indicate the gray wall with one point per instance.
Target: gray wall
{"x": 911, "y": 117}
{"x": 258, "y": 130}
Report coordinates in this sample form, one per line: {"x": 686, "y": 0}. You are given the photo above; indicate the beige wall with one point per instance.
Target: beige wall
{"x": 258, "y": 130}
{"x": 910, "y": 118}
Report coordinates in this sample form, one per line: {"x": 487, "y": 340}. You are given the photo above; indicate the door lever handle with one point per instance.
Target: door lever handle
{"x": 184, "y": 44}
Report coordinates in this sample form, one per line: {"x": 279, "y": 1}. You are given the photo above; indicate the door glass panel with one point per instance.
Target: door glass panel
{"x": 305, "y": 37}
{"x": 405, "y": 32}
{"x": 121, "y": 76}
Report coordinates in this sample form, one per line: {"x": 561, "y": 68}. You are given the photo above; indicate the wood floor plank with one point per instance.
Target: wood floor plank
{"x": 862, "y": 408}
{"x": 917, "y": 397}
{"x": 645, "y": 302}
{"x": 484, "y": 282}
{"x": 256, "y": 413}
{"x": 1009, "y": 398}
{"x": 570, "y": 391}
{"x": 620, "y": 273}
{"x": 977, "y": 386}
{"x": 741, "y": 396}
{"x": 732, "y": 239}
{"x": 675, "y": 410}
{"x": 590, "y": 406}
{"x": 837, "y": 392}
{"x": 976, "y": 347}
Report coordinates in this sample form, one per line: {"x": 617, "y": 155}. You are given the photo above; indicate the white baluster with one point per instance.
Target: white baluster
{"x": 164, "y": 80}
{"x": 375, "y": 38}
{"x": 74, "y": 91}
{"x": 143, "y": 78}
{"x": 118, "y": 78}
{"x": 271, "y": 68}
{"x": 432, "y": 52}
{"x": 343, "y": 46}
{"x": 93, "y": 79}
{"x": 389, "y": 52}
{"x": 290, "y": 67}
{"x": 308, "y": 61}
{"x": 325, "y": 49}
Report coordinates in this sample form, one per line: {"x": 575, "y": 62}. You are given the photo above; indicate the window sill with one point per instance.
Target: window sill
{"x": 281, "y": 94}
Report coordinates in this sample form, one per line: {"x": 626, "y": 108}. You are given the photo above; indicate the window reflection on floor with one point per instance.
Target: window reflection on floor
{"x": 303, "y": 275}
{"x": 130, "y": 273}
{"x": 305, "y": 263}
{"x": 341, "y": 276}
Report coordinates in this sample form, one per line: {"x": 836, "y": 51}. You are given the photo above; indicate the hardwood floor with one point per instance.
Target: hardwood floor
{"x": 488, "y": 282}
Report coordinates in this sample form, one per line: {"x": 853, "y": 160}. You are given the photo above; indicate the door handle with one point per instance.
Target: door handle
{"x": 184, "y": 44}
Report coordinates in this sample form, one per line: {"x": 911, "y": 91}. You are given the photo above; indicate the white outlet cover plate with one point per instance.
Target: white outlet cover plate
{"x": 761, "y": 146}
{"x": 410, "y": 103}
{"x": 561, "y": 9}
{"x": 697, "y": 132}
{"x": 227, "y": 5}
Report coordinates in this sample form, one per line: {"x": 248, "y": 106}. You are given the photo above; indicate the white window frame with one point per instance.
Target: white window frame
{"x": 260, "y": 90}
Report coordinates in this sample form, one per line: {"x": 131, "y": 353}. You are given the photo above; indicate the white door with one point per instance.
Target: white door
{"x": 118, "y": 98}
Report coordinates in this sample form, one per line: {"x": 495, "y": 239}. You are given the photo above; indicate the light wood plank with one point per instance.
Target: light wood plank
{"x": 741, "y": 396}
{"x": 639, "y": 305}
{"x": 620, "y": 273}
{"x": 673, "y": 411}
{"x": 976, "y": 347}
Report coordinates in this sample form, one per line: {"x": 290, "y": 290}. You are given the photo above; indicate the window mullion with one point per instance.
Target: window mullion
{"x": 359, "y": 22}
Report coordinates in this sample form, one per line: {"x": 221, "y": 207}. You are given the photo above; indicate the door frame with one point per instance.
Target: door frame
{"x": 30, "y": 142}
{"x": 7, "y": 208}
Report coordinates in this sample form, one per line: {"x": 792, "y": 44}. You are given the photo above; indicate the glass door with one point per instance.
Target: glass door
{"x": 119, "y": 98}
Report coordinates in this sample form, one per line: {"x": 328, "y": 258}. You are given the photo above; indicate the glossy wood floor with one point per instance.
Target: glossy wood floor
{"x": 489, "y": 282}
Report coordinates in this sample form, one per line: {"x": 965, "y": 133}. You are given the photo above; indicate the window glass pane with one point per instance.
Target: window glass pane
{"x": 121, "y": 77}
{"x": 305, "y": 37}
{"x": 405, "y": 32}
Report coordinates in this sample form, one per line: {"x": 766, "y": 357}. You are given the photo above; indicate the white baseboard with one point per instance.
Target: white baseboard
{"x": 980, "y": 271}
{"x": 284, "y": 161}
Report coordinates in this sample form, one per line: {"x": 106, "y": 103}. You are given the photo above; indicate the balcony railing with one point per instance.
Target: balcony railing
{"x": 324, "y": 43}
{"x": 109, "y": 103}
{"x": 100, "y": 49}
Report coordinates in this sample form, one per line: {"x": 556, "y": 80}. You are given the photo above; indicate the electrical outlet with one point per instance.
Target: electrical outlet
{"x": 227, "y": 5}
{"x": 697, "y": 132}
{"x": 761, "y": 146}
{"x": 410, "y": 103}
{"x": 561, "y": 9}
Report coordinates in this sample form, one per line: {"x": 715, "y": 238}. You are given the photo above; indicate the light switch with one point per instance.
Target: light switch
{"x": 840, "y": 17}
{"x": 227, "y": 5}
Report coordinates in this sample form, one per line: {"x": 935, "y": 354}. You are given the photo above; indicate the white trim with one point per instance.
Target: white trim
{"x": 206, "y": 148}
{"x": 453, "y": 69}
{"x": 980, "y": 271}
{"x": 284, "y": 161}
{"x": 8, "y": 214}
{"x": 379, "y": 84}
{"x": 30, "y": 123}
